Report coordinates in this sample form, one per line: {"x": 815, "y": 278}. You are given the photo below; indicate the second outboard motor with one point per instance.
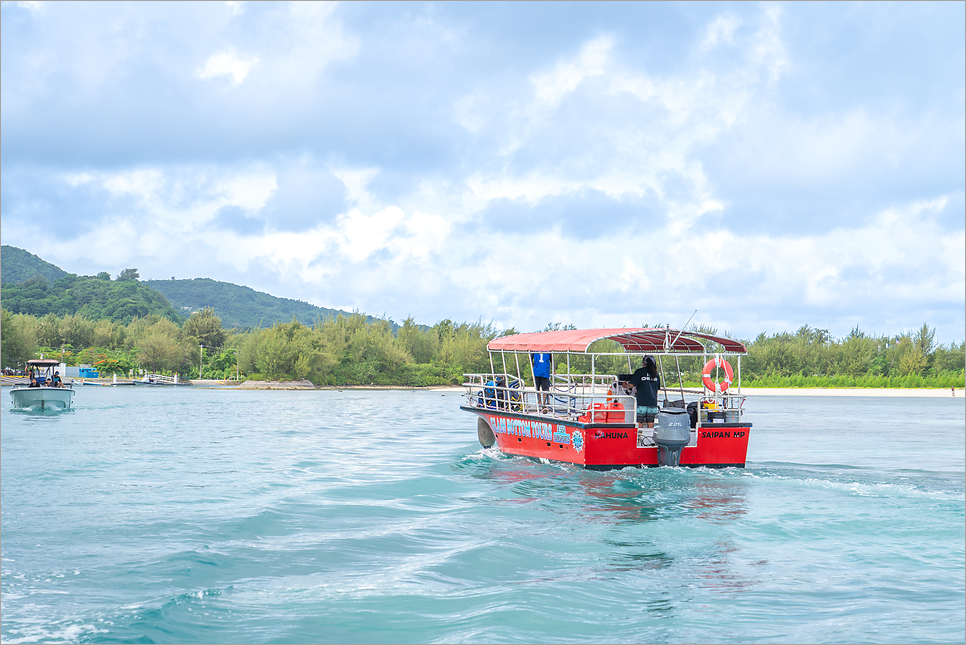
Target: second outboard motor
{"x": 672, "y": 432}
{"x": 693, "y": 413}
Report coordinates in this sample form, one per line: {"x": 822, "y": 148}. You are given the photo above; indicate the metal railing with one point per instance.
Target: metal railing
{"x": 580, "y": 399}
{"x": 591, "y": 398}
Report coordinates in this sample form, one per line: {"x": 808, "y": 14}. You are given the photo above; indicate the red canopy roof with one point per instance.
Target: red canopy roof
{"x": 643, "y": 340}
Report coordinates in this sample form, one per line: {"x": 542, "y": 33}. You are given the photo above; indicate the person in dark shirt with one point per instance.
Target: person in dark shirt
{"x": 56, "y": 382}
{"x": 648, "y": 382}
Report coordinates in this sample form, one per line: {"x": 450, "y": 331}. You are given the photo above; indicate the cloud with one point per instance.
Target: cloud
{"x": 584, "y": 214}
{"x": 720, "y": 31}
{"x": 770, "y": 165}
{"x": 307, "y": 194}
{"x": 228, "y": 64}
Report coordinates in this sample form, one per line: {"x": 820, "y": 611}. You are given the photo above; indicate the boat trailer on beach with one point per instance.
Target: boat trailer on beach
{"x": 590, "y": 418}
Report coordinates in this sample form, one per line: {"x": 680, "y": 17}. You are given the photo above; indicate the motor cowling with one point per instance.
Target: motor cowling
{"x": 672, "y": 432}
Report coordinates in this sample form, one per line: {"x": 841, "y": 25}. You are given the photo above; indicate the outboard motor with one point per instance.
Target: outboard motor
{"x": 672, "y": 432}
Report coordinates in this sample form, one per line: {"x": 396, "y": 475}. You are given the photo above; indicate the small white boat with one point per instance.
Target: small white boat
{"x": 45, "y": 390}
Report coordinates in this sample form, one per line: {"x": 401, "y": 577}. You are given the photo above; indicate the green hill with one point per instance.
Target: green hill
{"x": 238, "y": 306}
{"x": 19, "y": 265}
{"x": 36, "y": 287}
{"x": 94, "y": 298}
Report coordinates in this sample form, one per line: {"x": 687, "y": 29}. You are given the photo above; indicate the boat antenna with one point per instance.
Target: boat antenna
{"x": 682, "y": 329}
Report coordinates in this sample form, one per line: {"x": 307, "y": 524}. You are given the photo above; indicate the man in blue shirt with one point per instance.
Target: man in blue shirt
{"x": 542, "y": 366}
{"x": 648, "y": 382}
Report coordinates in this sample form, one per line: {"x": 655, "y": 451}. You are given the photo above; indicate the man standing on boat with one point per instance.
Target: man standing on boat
{"x": 542, "y": 366}
{"x": 648, "y": 382}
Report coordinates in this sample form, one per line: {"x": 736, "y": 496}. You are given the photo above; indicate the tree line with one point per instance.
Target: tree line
{"x": 341, "y": 350}
{"x": 357, "y": 350}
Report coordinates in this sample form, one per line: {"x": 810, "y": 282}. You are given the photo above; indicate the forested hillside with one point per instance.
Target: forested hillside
{"x": 36, "y": 287}
{"x": 240, "y": 307}
{"x": 19, "y": 265}
{"x": 96, "y": 298}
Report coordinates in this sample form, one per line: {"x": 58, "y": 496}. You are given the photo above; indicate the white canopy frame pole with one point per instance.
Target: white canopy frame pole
{"x": 660, "y": 362}
{"x": 503, "y": 356}
{"x": 593, "y": 375}
{"x": 718, "y": 394}
{"x": 570, "y": 382}
{"x": 533, "y": 375}
{"x": 677, "y": 363}
{"x": 704, "y": 361}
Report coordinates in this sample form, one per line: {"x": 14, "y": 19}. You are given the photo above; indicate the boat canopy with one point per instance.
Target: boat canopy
{"x": 638, "y": 340}
{"x": 43, "y": 362}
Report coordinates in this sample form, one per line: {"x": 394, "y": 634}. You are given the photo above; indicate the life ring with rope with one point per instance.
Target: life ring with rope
{"x": 711, "y": 384}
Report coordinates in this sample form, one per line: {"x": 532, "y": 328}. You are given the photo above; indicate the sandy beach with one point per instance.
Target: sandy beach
{"x": 854, "y": 391}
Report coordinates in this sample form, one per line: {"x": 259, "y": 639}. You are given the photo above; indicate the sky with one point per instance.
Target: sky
{"x": 597, "y": 164}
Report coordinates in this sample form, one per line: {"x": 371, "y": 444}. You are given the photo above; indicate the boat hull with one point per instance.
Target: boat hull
{"x": 604, "y": 446}
{"x": 42, "y": 398}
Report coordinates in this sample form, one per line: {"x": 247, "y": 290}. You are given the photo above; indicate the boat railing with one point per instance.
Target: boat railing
{"x": 575, "y": 400}
{"x": 160, "y": 378}
{"x": 585, "y": 397}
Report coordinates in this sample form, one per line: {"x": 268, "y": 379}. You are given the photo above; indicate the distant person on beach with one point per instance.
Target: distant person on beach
{"x": 542, "y": 366}
{"x": 648, "y": 382}
{"x": 954, "y": 390}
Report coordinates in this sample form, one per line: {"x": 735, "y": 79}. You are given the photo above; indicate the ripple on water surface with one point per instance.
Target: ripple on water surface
{"x": 223, "y": 516}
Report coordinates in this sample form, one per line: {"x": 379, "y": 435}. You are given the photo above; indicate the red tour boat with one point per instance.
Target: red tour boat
{"x": 589, "y": 419}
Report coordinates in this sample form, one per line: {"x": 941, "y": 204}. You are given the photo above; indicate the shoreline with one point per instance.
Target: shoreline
{"x": 853, "y": 391}
{"x": 750, "y": 391}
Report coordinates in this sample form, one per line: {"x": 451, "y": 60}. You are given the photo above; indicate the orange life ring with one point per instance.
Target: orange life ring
{"x": 712, "y": 385}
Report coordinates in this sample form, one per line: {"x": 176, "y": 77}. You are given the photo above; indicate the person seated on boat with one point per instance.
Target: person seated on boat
{"x": 33, "y": 381}
{"x": 648, "y": 382}
{"x": 56, "y": 382}
{"x": 542, "y": 367}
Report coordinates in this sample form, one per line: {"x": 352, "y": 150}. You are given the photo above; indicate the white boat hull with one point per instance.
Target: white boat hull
{"x": 42, "y": 398}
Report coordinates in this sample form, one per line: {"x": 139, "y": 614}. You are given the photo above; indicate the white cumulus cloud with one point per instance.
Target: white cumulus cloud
{"x": 228, "y": 64}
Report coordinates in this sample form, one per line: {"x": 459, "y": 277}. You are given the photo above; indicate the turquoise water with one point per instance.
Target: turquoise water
{"x": 217, "y": 516}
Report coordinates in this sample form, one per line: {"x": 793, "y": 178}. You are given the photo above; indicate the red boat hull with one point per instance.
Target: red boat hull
{"x": 603, "y": 446}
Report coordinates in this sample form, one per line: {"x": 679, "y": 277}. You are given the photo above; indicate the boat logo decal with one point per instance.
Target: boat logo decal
{"x": 578, "y": 440}
{"x": 601, "y": 434}
{"x": 524, "y": 428}
{"x": 726, "y": 434}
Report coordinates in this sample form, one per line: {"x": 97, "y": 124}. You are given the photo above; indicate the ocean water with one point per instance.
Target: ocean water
{"x": 186, "y": 515}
